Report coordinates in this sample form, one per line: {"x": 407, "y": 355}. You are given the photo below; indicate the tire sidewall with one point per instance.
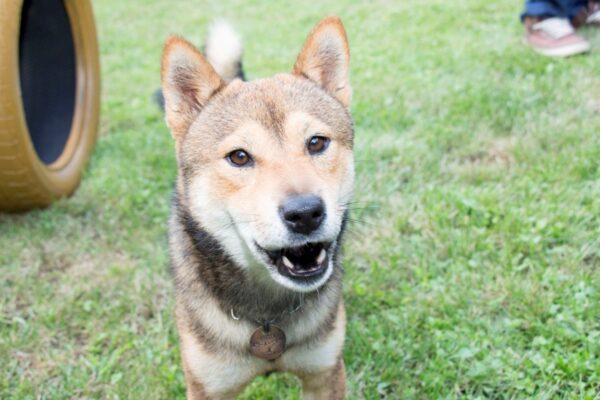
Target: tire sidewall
{"x": 25, "y": 181}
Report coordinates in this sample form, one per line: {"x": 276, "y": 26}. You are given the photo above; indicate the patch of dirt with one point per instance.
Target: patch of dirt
{"x": 499, "y": 153}
{"x": 493, "y": 155}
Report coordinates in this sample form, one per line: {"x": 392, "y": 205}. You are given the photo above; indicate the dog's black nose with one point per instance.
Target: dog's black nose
{"x": 303, "y": 214}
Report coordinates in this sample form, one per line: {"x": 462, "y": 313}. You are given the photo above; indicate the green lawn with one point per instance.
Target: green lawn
{"x": 473, "y": 256}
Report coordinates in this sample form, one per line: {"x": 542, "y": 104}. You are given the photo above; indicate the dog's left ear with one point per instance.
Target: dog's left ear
{"x": 188, "y": 83}
{"x": 325, "y": 59}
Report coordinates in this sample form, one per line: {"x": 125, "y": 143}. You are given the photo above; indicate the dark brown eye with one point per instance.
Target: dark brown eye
{"x": 239, "y": 158}
{"x": 317, "y": 144}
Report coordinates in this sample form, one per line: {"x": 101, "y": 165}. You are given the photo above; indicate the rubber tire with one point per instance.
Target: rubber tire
{"x": 25, "y": 181}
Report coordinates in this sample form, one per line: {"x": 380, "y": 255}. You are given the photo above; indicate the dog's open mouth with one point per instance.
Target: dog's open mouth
{"x": 305, "y": 261}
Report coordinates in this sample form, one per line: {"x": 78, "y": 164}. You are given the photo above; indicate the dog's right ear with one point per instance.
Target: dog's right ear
{"x": 325, "y": 59}
{"x": 188, "y": 83}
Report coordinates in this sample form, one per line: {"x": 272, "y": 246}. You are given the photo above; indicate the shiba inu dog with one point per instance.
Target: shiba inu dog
{"x": 265, "y": 178}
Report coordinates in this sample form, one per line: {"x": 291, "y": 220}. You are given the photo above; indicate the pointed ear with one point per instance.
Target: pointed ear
{"x": 188, "y": 83}
{"x": 325, "y": 59}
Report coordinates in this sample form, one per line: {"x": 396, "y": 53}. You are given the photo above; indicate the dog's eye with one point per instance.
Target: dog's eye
{"x": 239, "y": 158}
{"x": 317, "y": 144}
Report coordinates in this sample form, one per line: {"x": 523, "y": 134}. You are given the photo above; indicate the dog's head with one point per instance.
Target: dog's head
{"x": 266, "y": 167}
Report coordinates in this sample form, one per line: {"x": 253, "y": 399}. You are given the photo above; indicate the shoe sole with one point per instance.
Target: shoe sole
{"x": 565, "y": 51}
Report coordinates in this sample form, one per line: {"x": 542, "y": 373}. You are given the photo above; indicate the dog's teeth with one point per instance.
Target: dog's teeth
{"x": 286, "y": 261}
{"x": 322, "y": 256}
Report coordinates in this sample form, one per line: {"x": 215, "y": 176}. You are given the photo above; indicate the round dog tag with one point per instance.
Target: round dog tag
{"x": 268, "y": 345}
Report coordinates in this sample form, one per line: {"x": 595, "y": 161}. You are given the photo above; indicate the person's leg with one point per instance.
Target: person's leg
{"x": 542, "y": 8}
{"x": 571, "y": 8}
{"x": 553, "y": 8}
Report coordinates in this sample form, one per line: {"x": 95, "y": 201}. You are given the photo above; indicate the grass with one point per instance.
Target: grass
{"x": 473, "y": 258}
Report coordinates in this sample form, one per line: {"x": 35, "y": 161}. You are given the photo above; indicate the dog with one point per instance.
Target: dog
{"x": 265, "y": 179}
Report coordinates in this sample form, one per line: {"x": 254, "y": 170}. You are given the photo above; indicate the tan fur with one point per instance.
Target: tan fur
{"x": 327, "y": 384}
{"x": 219, "y": 375}
{"x": 272, "y": 119}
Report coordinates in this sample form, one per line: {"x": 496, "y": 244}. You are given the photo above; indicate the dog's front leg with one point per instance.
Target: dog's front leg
{"x": 196, "y": 391}
{"x": 212, "y": 375}
{"x": 325, "y": 385}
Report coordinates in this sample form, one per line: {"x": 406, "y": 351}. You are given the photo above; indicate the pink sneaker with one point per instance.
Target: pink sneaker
{"x": 554, "y": 37}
